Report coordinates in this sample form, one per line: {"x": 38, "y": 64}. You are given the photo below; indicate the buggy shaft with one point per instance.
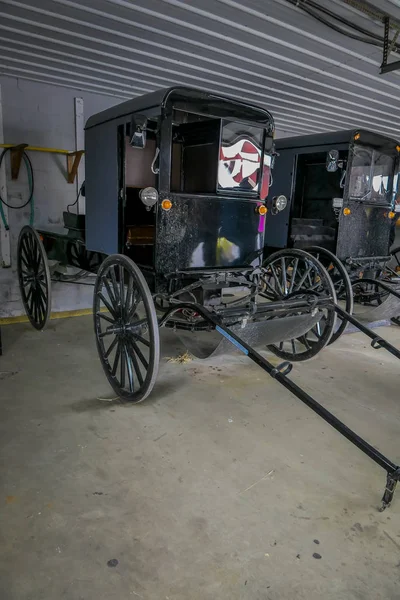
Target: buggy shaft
{"x": 377, "y": 341}
{"x": 281, "y": 377}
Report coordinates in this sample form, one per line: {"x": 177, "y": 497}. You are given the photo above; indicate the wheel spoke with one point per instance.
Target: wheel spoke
{"x": 305, "y": 342}
{"x": 107, "y": 304}
{"x": 294, "y": 273}
{"x": 128, "y": 361}
{"x": 276, "y": 279}
{"x": 129, "y": 292}
{"x": 273, "y": 290}
{"x": 41, "y": 304}
{"x": 121, "y": 289}
{"x": 135, "y": 302}
{"x": 108, "y": 331}
{"x": 141, "y": 339}
{"x": 293, "y": 347}
{"x": 105, "y": 317}
{"x": 284, "y": 280}
{"x": 136, "y": 364}
{"x": 139, "y": 353}
{"x": 304, "y": 277}
{"x": 30, "y": 303}
{"x": 122, "y": 366}
{"x": 316, "y": 331}
{"x": 27, "y": 252}
{"x": 115, "y": 286}
{"x": 23, "y": 259}
{"x": 29, "y": 294}
{"x": 116, "y": 359}
{"x": 110, "y": 294}
{"x": 111, "y": 347}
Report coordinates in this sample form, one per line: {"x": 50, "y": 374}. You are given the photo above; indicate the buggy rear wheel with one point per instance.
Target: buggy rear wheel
{"x": 294, "y": 273}
{"x": 341, "y": 281}
{"x": 34, "y": 277}
{"x": 126, "y": 328}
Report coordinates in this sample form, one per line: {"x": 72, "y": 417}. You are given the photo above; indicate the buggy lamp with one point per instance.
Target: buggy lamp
{"x": 391, "y": 215}
{"x": 346, "y": 212}
{"x": 166, "y": 204}
{"x": 279, "y": 203}
{"x": 149, "y": 197}
{"x": 357, "y": 136}
{"x": 262, "y": 210}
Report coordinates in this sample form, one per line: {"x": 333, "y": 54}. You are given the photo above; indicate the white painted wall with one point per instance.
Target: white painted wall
{"x": 42, "y": 115}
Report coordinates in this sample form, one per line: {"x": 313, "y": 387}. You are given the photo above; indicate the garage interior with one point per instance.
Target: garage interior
{"x": 221, "y": 484}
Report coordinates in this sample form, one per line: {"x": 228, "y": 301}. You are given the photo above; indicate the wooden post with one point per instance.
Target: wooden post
{"x": 5, "y": 246}
{"x": 79, "y": 144}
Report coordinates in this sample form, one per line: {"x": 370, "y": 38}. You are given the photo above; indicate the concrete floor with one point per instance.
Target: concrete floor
{"x": 220, "y": 486}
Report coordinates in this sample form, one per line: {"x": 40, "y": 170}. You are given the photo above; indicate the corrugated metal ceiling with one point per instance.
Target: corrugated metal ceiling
{"x": 312, "y": 78}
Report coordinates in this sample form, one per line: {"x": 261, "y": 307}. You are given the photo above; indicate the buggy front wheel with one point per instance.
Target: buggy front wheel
{"x": 126, "y": 328}
{"x": 293, "y": 273}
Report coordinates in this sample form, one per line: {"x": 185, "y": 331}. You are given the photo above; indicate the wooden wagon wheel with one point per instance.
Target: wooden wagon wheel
{"x": 126, "y": 328}
{"x": 341, "y": 281}
{"x": 295, "y": 273}
{"x": 34, "y": 277}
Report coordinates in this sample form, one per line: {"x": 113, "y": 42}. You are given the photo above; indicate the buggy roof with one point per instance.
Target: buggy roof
{"x": 332, "y": 138}
{"x": 217, "y": 106}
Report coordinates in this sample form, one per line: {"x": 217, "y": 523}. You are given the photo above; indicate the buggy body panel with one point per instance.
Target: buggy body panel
{"x": 208, "y": 226}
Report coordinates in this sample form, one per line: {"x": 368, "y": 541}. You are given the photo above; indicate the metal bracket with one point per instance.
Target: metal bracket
{"x": 73, "y": 160}
{"x": 16, "y": 158}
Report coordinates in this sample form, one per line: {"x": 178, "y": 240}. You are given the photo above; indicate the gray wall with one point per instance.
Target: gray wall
{"x": 42, "y": 115}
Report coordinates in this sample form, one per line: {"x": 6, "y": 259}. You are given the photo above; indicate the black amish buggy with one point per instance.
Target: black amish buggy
{"x": 176, "y": 184}
{"x": 336, "y": 195}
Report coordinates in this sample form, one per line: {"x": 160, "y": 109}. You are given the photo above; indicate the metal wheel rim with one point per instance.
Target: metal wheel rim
{"x": 307, "y": 346}
{"x": 126, "y": 328}
{"x": 34, "y": 277}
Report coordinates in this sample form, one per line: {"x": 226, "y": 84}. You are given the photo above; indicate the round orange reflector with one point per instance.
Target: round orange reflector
{"x": 166, "y": 204}
{"x": 398, "y": 148}
{"x": 41, "y": 237}
{"x": 357, "y": 136}
{"x": 391, "y": 215}
{"x": 346, "y": 212}
{"x": 262, "y": 209}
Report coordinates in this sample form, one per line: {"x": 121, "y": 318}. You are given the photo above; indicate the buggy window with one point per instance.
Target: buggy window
{"x": 371, "y": 175}
{"x": 195, "y": 142}
{"x": 240, "y": 158}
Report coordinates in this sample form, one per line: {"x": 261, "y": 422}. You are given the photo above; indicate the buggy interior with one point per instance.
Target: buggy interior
{"x": 318, "y": 197}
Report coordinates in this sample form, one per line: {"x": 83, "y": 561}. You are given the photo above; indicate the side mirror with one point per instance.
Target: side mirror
{"x": 138, "y": 131}
{"x": 332, "y": 160}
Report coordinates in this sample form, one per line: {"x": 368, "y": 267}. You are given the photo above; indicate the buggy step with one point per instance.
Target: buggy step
{"x": 280, "y": 374}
